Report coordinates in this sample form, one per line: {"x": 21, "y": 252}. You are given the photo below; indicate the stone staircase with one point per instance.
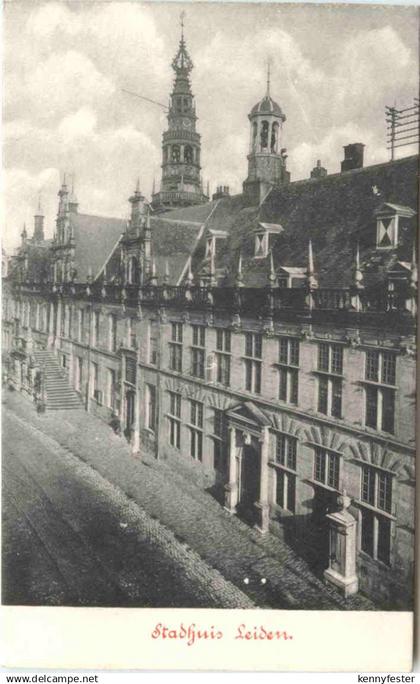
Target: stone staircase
{"x": 58, "y": 393}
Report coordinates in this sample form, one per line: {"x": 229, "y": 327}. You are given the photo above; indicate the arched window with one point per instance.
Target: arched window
{"x": 188, "y": 154}
{"x": 186, "y": 104}
{"x": 176, "y": 153}
{"x": 274, "y": 136}
{"x": 264, "y": 134}
{"x": 165, "y": 154}
{"x": 254, "y": 134}
{"x": 133, "y": 271}
{"x": 178, "y": 104}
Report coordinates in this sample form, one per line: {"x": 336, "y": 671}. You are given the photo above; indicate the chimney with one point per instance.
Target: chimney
{"x": 221, "y": 191}
{"x": 318, "y": 171}
{"x": 353, "y": 157}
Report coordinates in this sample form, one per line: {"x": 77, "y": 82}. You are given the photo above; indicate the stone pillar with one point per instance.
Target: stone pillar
{"x": 135, "y": 439}
{"x": 342, "y": 550}
{"x": 58, "y": 324}
{"x": 51, "y": 327}
{"x": 261, "y": 506}
{"x": 231, "y": 489}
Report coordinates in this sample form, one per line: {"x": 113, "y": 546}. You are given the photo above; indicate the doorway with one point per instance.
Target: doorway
{"x": 130, "y": 402}
{"x": 324, "y": 502}
{"x": 249, "y": 481}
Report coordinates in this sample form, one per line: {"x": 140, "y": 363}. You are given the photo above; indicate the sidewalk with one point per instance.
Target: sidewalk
{"x": 224, "y": 542}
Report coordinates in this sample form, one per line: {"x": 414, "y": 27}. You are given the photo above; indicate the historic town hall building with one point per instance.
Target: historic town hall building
{"x": 268, "y": 335}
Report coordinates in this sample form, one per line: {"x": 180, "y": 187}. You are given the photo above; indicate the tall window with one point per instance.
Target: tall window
{"x": 78, "y": 374}
{"x": 67, "y": 320}
{"x": 330, "y": 383}
{"x": 196, "y": 438}
{"x": 286, "y": 448}
{"x": 223, "y": 345}
{"x": 376, "y": 491}
{"x": 153, "y": 342}
{"x": 198, "y": 350}
{"x": 110, "y": 388}
{"x": 289, "y": 369}
{"x": 80, "y": 324}
{"x": 37, "y": 310}
{"x": 380, "y": 377}
{"x": 219, "y": 439}
{"x": 95, "y": 328}
{"x": 94, "y": 372}
{"x": 253, "y": 355}
{"x": 327, "y": 468}
{"x": 132, "y": 336}
{"x": 175, "y": 348}
{"x": 175, "y": 419}
{"x": 62, "y": 316}
{"x": 151, "y": 407}
{"x": 112, "y": 332}
{"x": 130, "y": 370}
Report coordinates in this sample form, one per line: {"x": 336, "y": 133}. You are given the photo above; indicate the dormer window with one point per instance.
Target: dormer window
{"x": 387, "y": 232}
{"x": 261, "y": 245}
{"x": 265, "y": 236}
{"x": 390, "y": 219}
{"x": 213, "y": 242}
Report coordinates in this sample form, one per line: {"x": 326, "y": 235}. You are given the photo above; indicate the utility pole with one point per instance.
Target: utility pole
{"x": 401, "y": 122}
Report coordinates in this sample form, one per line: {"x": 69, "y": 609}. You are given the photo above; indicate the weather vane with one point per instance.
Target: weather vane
{"x": 182, "y": 17}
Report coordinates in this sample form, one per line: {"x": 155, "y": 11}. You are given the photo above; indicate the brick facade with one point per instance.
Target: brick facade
{"x": 87, "y": 341}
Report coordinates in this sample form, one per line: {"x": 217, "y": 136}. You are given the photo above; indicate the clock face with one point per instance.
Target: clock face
{"x": 186, "y": 123}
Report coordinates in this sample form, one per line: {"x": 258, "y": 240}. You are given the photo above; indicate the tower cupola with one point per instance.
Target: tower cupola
{"x": 267, "y": 157}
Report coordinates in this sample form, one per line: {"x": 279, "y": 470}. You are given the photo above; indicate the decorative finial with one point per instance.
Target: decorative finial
{"x": 358, "y": 275}
{"x": 239, "y": 280}
{"x": 272, "y": 275}
{"x": 154, "y": 187}
{"x": 414, "y": 269}
{"x": 268, "y": 76}
{"x": 190, "y": 277}
{"x": 181, "y": 21}
{"x": 39, "y": 203}
{"x": 167, "y": 274}
{"x": 138, "y": 185}
{"x": 312, "y": 281}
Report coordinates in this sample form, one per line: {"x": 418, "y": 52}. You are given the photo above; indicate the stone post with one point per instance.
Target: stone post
{"x": 231, "y": 489}
{"x": 51, "y": 327}
{"x": 342, "y": 549}
{"x": 261, "y": 506}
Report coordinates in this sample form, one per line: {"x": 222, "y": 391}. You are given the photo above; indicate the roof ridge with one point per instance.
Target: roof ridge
{"x": 191, "y": 223}
{"x": 101, "y": 216}
{"x": 345, "y": 174}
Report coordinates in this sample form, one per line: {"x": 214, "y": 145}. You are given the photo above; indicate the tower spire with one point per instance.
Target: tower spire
{"x": 181, "y": 165}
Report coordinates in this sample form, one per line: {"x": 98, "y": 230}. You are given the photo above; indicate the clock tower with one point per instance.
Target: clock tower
{"x": 181, "y": 184}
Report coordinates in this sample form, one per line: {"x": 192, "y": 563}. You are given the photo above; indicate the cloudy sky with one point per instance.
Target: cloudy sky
{"x": 66, "y": 64}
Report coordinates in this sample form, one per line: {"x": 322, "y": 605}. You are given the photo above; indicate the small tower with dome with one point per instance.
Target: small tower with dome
{"x": 267, "y": 157}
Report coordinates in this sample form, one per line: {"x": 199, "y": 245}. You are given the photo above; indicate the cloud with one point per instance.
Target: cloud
{"x": 81, "y": 124}
{"x": 66, "y": 65}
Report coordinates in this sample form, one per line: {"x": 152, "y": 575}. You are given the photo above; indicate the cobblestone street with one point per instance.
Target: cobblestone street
{"x": 196, "y": 553}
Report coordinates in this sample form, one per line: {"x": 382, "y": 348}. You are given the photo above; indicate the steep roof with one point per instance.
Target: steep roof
{"x": 95, "y": 238}
{"x": 175, "y": 236}
{"x": 335, "y": 212}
